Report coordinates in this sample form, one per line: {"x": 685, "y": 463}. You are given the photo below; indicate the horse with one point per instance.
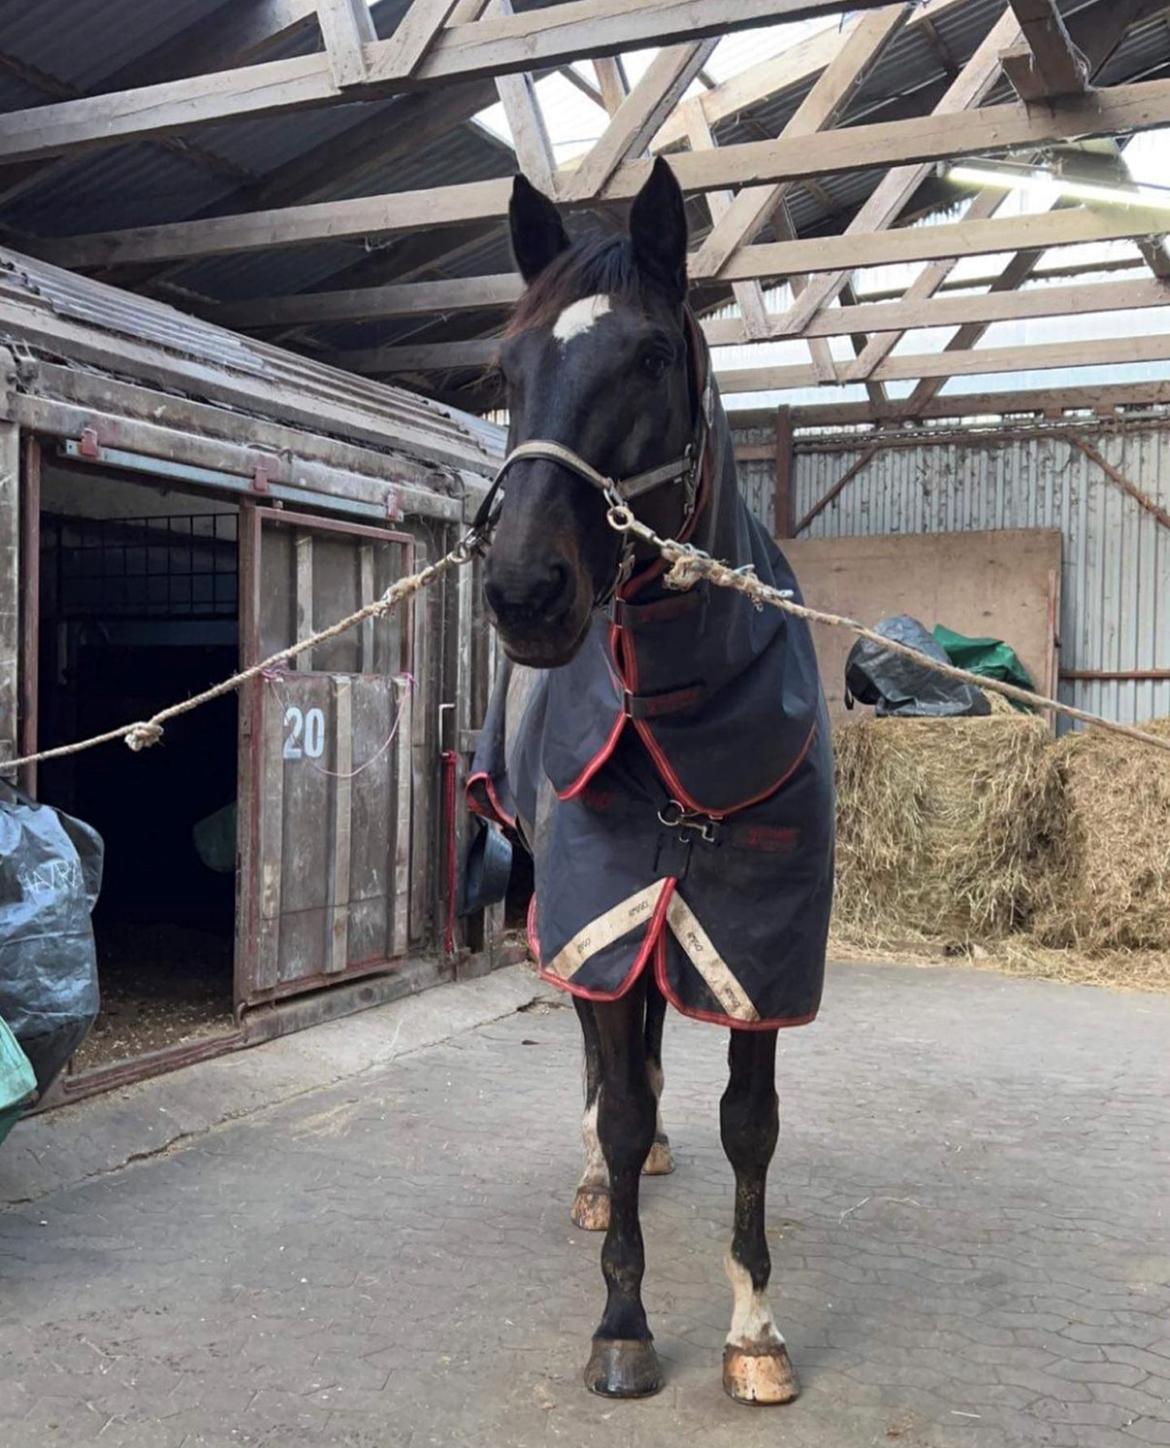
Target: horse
{"x": 662, "y": 752}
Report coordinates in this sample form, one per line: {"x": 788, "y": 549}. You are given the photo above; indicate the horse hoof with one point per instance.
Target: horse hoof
{"x": 623, "y": 1368}
{"x": 759, "y": 1374}
{"x": 591, "y": 1209}
{"x": 660, "y": 1162}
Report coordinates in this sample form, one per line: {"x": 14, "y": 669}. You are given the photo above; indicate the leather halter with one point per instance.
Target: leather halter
{"x": 617, "y": 492}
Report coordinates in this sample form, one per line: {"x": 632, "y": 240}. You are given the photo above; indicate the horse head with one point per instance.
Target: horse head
{"x": 595, "y": 359}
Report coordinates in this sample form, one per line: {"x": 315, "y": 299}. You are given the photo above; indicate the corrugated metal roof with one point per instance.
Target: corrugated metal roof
{"x": 201, "y": 353}
{"x": 123, "y": 186}
{"x": 79, "y": 44}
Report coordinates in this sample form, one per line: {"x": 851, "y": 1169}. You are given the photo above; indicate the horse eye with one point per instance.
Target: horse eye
{"x": 654, "y": 364}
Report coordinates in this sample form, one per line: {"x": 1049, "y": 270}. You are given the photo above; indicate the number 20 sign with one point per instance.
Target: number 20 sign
{"x": 304, "y": 733}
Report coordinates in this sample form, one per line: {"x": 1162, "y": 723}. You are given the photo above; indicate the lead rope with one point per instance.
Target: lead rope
{"x": 145, "y": 732}
{"x": 688, "y": 565}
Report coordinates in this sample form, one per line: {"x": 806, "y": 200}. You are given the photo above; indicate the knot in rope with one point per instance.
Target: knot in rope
{"x": 142, "y": 735}
{"x": 684, "y": 573}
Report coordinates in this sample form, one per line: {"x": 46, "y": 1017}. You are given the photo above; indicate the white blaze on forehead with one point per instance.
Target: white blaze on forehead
{"x": 578, "y": 317}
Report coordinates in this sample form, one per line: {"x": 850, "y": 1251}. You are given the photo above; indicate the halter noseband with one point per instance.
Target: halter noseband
{"x": 686, "y": 470}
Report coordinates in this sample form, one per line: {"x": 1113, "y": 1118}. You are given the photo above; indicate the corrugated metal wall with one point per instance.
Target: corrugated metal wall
{"x": 1115, "y": 612}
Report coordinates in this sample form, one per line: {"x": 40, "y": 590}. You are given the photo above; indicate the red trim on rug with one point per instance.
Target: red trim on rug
{"x": 654, "y": 933}
{"x": 597, "y": 761}
{"x": 501, "y": 814}
{"x": 671, "y": 780}
{"x": 713, "y": 1017}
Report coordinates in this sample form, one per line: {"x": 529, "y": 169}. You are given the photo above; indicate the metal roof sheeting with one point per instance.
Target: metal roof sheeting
{"x": 202, "y": 355}
{"x": 80, "y": 45}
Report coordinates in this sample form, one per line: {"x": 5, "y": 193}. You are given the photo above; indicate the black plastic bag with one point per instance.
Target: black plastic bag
{"x": 50, "y": 874}
{"x": 898, "y": 685}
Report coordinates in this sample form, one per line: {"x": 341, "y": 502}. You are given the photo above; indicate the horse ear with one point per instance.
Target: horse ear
{"x": 658, "y": 230}
{"x": 537, "y": 233}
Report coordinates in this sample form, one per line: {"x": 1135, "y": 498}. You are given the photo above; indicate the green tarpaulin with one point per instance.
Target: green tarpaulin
{"x": 990, "y": 657}
{"x": 17, "y": 1082}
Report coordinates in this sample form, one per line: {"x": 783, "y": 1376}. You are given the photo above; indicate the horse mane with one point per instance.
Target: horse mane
{"x": 598, "y": 264}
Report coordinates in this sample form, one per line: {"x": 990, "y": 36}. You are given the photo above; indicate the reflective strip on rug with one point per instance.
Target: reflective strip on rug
{"x": 708, "y": 962}
{"x": 607, "y": 928}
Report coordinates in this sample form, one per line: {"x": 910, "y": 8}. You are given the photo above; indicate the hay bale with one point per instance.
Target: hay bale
{"x": 1109, "y": 886}
{"x": 943, "y": 826}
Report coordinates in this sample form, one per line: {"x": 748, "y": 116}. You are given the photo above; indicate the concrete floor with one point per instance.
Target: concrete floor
{"x": 969, "y": 1215}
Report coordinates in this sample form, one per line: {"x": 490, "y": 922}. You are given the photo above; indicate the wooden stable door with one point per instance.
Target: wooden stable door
{"x": 325, "y": 758}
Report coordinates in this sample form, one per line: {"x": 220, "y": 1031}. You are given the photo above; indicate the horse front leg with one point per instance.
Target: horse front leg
{"x": 623, "y": 1363}
{"x": 660, "y": 1161}
{"x": 591, "y": 1204}
{"x": 590, "y": 1210}
{"x": 756, "y": 1366}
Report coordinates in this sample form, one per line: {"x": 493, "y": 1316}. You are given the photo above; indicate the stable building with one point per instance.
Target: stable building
{"x": 178, "y": 502}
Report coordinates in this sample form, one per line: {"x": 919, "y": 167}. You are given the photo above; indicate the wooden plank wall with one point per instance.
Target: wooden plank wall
{"x": 996, "y": 584}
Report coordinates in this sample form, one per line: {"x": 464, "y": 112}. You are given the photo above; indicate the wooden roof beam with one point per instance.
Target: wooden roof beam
{"x": 1044, "y": 63}
{"x": 819, "y": 111}
{"x": 235, "y": 33}
{"x": 540, "y": 38}
{"x": 1102, "y": 28}
{"x": 749, "y": 296}
{"x": 530, "y": 138}
{"x": 1107, "y": 35}
{"x": 798, "y": 65}
{"x": 346, "y": 27}
{"x": 640, "y": 114}
{"x": 885, "y": 318}
{"x": 980, "y": 310}
{"x": 1048, "y": 401}
{"x": 1109, "y": 351}
{"x": 960, "y": 102}
{"x": 920, "y": 139}
{"x": 614, "y": 83}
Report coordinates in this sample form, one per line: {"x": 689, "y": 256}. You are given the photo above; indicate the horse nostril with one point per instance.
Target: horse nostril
{"x": 555, "y": 587}
{"x": 534, "y": 592}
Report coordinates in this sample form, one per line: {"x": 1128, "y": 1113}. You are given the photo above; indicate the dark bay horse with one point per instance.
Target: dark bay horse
{"x": 664, "y": 754}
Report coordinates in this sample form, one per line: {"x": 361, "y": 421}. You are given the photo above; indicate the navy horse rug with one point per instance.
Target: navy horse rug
{"x": 674, "y": 781}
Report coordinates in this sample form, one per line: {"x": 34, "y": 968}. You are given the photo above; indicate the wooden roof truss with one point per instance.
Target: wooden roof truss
{"x": 448, "y": 59}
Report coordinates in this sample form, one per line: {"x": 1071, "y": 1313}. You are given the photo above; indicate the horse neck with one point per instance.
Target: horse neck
{"x": 719, "y": 529}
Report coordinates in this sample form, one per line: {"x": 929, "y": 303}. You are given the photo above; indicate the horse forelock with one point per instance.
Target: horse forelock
{"x": 603, "y": 266}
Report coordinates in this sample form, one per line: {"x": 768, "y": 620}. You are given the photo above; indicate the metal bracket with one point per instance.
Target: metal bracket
{"x": 443, "y": 709}
{"x": 89, "y": 447}
{"x": 263, "y": 473}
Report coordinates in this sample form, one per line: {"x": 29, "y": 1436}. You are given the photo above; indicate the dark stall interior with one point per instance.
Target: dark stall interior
{"x": 139, "y": 608}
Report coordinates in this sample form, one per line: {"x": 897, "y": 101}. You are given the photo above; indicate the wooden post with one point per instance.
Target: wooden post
{"x": 783, "y": 506}
{"x": 346, "y": 27}
{"x": 29, "y": 560}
